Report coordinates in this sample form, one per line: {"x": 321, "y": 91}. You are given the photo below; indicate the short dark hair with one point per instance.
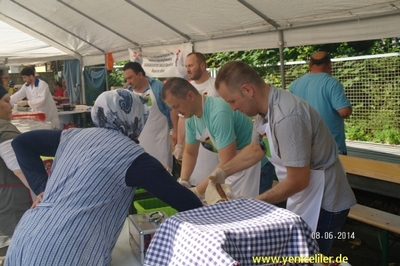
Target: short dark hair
{"x": 236, "y": 73}
{"x": 178, "y": 87}
{"x": 135, "y": 67}
{"x": 58, "y": 84}
{"x": 28, "y": 71}
{"x": 199, "y": 57}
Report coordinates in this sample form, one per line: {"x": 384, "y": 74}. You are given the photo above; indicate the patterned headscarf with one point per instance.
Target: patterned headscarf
{"x": 121, "y": 110}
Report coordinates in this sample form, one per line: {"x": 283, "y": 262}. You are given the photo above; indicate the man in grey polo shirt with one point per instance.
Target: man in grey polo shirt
{"x": 297, "y": 142}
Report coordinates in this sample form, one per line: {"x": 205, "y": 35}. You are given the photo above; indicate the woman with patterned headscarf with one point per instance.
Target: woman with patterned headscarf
{"x": 85, "y": 200}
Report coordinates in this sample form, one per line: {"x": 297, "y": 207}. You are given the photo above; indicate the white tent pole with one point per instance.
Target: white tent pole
{"x": 281, "y": 44}
{"x": 83, "y": 89}
{"x": 105, "y": 67}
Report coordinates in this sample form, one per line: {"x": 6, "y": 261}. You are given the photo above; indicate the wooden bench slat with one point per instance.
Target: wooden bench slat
{"x": 380, "y": 219}
{"x": 371, "y": 168}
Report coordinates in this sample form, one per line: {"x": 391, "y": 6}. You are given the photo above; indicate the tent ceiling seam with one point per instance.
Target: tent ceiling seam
{"x": 261, "y": 15}
{"x": 159, "y": 20}
{"x": 54, "y": 24}
{"x": 354, "y": 18}
{"x": 41, "y": 34}
{"x": 99, "y": 23}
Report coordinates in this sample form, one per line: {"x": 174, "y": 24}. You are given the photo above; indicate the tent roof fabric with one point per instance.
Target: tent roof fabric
{"x": 86, "y": 30}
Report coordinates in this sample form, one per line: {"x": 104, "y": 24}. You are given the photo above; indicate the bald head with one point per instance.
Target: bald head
{"x": 320, "y": 62}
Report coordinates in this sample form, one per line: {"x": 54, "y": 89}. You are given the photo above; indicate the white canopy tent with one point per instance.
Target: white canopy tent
{"x": 87, "y": 30}
{"x": 19, "y": 48}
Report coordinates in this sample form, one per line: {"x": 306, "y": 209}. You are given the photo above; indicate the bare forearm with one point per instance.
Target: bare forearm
{"x": 297, "y": 179}
{"x": 279, "y": 192}
{"x": 174, "y": 119}
{"x": 345, "y": 112}
{"x": 247, "y": 157}
{"x": 181, "y": 131}
{"x": 188, "y": 162}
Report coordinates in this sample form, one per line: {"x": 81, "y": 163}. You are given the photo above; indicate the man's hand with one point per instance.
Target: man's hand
{"x": 184, "y": 182}
{"x": 212, "y": 194}
{"x": 174, "y": 136}
{"x": 196, "y": 192}
{"x": 218, "y": 176}
{"x": 38, "y": 200}
{"x": 178, "y": 152}
{"x": 22, "y": 103}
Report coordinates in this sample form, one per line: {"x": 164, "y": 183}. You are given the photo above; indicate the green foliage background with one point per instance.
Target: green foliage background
{"x": 376, "y": 106}
{"x": 373, "y": 88}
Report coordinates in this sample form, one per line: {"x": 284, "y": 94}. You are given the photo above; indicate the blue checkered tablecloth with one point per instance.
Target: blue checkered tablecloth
{"x": 230, "y": 233}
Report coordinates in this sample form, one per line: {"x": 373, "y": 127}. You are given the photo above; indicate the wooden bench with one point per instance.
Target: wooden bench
{"x": 388, "y": 223}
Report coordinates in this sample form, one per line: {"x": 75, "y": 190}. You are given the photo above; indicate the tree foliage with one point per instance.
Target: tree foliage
{"x": 116, "y": 76}
{"x": 375, "y": 119}
{"x": 373, "y": 86}
{"x": 336, "y": 50}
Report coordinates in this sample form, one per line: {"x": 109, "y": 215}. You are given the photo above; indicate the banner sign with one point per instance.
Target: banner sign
{"x": 165, "y": 63}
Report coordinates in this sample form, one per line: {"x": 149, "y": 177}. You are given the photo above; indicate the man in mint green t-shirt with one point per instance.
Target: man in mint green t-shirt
{"x": 211, "y": 123}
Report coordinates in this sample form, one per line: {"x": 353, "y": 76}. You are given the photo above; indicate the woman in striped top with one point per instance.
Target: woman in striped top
{"x": 87, "y": 195}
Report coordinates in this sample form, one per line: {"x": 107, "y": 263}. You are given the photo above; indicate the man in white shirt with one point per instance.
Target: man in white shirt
{"x": 39, "y": 97}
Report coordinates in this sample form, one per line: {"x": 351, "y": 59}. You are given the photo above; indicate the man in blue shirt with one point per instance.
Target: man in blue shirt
{"x": 326, "y": 95}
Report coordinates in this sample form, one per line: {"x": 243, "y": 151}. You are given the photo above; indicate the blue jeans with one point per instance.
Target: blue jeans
{"x": 331, "y": 223}
{"x": 266, "y": 177}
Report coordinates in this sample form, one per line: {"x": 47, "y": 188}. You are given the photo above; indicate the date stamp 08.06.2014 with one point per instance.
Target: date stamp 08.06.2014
{"x": 332, "y": 235}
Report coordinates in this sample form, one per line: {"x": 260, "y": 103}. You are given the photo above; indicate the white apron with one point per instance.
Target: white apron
{"x": 154, "y": 137}
{"x": 306, "y": 203}
{"x": 245, "y": 183}
{"x": 206, "y": 162}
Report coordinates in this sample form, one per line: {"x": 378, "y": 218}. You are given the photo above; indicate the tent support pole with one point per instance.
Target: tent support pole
{"x": 105, "y": 67}
{"x": 83, "y": 88}
{"x": 281, "y": 58}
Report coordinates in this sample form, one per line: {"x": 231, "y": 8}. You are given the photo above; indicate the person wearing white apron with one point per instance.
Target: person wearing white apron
{"x": 39, "y": 97}
{"x": 154, "y": 137}
{"x": 207, "y": 160}
{"x": 211, "y": 121}
{"x": 299, "y": 145}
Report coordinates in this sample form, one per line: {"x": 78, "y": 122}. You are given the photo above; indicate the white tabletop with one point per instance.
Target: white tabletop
{"x": 73, "y": 112}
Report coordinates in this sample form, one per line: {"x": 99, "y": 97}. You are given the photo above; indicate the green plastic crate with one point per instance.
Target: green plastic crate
{"x": 152, "y": 205}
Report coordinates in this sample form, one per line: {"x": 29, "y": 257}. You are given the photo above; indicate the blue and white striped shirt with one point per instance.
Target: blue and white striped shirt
{"x": 84, "y": 205}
